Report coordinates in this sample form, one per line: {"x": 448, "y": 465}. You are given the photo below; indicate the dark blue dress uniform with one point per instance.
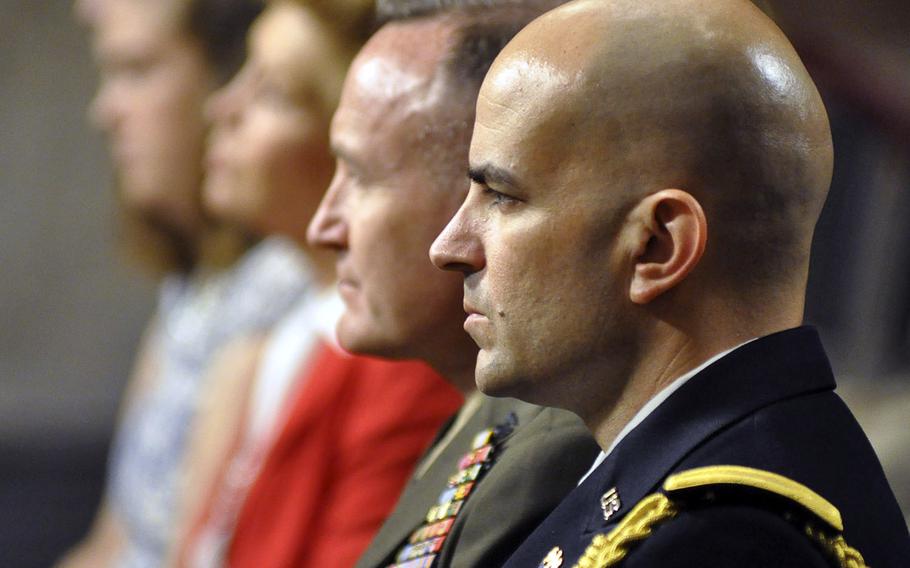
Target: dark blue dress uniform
{"x": 770, "y": 406}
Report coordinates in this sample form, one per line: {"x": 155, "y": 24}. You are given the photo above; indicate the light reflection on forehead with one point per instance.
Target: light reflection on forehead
{"x": 773, "y": 70}
{"x": 383, "y": 77}
{"x": 518, "y": 73}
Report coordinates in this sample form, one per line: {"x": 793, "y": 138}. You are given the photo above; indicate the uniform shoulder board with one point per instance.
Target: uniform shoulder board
{"x": 808, "y": 511}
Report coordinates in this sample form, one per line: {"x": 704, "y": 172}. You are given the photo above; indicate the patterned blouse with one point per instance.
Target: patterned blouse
{"x": 196, "y": 316}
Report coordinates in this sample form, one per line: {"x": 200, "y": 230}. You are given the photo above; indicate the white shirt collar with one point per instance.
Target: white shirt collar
{"x": 653, "y": 403}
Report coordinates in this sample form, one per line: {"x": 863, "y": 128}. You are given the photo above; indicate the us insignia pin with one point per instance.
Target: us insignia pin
{"x": 553, "y": 559}
{"x": 610, "y": 503}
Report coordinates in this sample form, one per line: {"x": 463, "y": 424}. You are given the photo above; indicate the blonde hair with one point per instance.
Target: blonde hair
{"x": 345, "y": 26}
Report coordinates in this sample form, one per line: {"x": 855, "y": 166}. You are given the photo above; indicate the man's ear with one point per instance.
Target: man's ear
{"x": 670, "y": 232}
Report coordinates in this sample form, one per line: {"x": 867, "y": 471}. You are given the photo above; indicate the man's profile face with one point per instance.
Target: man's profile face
{"x": 399, "y": 179}
{"x": 154, "y": 80}
{"x": 532, "y": 239}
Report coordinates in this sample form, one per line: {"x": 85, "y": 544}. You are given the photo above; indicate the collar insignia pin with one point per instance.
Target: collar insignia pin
{"x": 610, "y": 503}
{"x": 553, "y": 559}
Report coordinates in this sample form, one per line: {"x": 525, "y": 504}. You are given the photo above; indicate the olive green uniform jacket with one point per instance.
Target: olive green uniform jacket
{"x": 536, "y": 466}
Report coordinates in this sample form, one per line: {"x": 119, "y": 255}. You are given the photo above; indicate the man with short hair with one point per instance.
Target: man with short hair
{"x": 401, "y": 136}
{"x": 646, "y": 178}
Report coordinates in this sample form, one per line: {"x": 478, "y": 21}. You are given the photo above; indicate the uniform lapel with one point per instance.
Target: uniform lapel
{"x": 420, "y": 494}
{"x": 774, "y": 368}
{"x": 771, "y": 369}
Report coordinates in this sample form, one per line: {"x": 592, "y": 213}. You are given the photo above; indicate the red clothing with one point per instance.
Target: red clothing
{"x": 352, "y": 437}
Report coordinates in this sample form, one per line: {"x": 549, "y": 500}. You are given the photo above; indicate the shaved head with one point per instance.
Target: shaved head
{"x": 704, "y": 95}
{"x": 646, "y": 179}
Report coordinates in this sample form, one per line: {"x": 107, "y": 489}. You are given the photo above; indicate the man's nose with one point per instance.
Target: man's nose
{"x": 459, "y": 246}
{"x": 329, "y": 228}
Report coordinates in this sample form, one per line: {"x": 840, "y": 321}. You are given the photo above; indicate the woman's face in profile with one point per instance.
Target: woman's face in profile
{"x": 268, "y": 160}
{"x": 154, "y": 81}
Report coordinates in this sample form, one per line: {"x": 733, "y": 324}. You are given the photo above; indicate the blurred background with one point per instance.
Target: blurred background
{"x": 72, "y": 310}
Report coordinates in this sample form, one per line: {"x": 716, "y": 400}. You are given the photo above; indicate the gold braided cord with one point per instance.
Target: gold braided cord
{"x": 838, "y": 549}
{"x": 607, "y": 550}
{"x": 759, "y": 479}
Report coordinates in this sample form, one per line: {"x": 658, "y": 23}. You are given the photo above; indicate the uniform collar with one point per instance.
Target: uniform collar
{"x": 762, "y": 372}
{"x": 652, "y": 405}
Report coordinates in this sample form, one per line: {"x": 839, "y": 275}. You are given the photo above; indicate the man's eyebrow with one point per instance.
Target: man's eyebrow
{"x": 488, "y": 173}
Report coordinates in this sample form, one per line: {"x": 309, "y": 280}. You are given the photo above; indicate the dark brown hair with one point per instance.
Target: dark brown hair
{"x": 220, "y": 28}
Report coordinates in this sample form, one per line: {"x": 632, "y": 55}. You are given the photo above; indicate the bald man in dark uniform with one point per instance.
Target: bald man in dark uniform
{"x": 646, "y": 178}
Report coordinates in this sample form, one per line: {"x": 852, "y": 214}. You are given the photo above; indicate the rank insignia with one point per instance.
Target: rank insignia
{"x": 610, "y": 503}
{"x": 553, "y": 559}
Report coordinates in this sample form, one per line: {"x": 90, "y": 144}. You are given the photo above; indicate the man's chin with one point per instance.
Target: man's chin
{"x": 355, "y": 343}
{"x": 360, "y": 340}
{"x": 493, "y": 379}
{"x": 503, "y": 381}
